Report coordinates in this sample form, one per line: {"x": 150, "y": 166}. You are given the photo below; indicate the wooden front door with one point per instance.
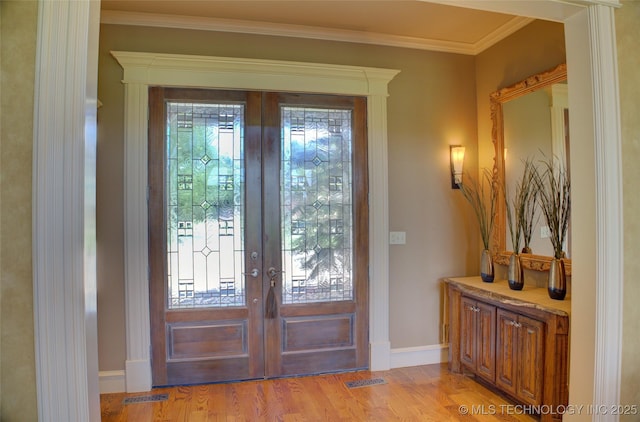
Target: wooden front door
{"x": 258, "y": 234}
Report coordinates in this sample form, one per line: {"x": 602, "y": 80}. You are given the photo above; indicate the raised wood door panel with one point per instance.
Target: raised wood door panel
{"x": 477, "y": 338}
{"x": 486, "y": 341}
{"x": 468, "y": 332}
{"x": 520, "y": 356}
{"x": 531, "y": 360}
{"x": 506, "y": 351}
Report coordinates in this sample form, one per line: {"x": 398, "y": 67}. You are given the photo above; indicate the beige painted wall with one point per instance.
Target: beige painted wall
{"x": 431, "y": 104}
{"x": 17, "y": 364}
{"x": 628, "y": 34}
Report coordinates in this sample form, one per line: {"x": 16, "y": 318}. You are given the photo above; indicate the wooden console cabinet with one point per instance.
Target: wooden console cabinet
{"x": 515, "y": 341}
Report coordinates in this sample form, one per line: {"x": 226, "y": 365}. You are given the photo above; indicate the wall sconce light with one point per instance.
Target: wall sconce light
{"x": 457, "y": 159}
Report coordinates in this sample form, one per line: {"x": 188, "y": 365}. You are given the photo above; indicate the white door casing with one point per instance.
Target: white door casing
{"x": 144, "y": 69}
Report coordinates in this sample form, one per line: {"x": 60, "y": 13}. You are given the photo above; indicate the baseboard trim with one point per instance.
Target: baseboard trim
{"x": 111, "y": 381}
{"x": 420, "y": 355}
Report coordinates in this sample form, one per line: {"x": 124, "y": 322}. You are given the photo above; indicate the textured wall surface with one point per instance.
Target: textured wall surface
{"x": 17, "y": 364}
{"x": 628, "y": 34}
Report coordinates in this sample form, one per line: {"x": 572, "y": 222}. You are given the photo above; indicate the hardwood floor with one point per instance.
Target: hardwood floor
{"x": 420, "y": 393}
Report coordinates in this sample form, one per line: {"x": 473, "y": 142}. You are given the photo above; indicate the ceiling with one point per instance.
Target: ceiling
{"x": 400, "y": 23}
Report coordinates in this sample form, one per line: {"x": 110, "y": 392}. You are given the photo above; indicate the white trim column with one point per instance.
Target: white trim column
{"x": 142, "y": 70}
{"x": 136, "y": 239}
{"x": 64, "y": 147}
{"x": 610, "y": 234}
{"x": 597, "y": 279}
{"x": 379, "y": 341}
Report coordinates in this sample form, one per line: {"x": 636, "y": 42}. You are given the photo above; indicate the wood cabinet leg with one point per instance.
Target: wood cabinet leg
{"x": 454, "y": 297}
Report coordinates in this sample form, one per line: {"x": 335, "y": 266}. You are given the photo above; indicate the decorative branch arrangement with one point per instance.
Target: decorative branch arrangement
{"x": 554, "y": 197}
{"x": 550, "y": 189}
{"x": 522, "y": 211}
{"x": 482, "y": 196}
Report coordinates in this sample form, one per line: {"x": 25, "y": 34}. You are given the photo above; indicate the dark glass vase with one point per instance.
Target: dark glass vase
{"x": 515, "y": 274}
{"x": 557, "y": 286}
{"x": 486, "y": 266}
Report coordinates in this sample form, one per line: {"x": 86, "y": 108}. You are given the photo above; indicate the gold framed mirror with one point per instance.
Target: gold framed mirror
{"x": 545, "y": 82}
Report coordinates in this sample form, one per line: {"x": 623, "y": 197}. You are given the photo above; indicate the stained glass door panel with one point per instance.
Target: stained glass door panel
{"x": 316, "y": 204}
{"x": 205, "y": 217}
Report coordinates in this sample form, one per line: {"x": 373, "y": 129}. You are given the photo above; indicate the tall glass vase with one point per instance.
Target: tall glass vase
{"x": 557, "y": 286}
{"x": 486, "y": 266}
{"x": 515, "y": 274}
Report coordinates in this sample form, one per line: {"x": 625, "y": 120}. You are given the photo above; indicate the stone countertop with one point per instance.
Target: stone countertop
{"x": 529, "y": 296}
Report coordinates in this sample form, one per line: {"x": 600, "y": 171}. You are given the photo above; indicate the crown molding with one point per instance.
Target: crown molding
{"x": 113, "y": 17}
{"x": 513, "y": 25}
{"x": 552, "y": 10}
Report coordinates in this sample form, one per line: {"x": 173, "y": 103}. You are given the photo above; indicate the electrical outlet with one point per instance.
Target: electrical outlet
{"x": 397, "y": 238}
{"x": 545, "y": 233}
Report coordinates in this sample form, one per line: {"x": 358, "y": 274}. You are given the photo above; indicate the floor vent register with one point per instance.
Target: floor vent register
{"x": 145, "y": 399}
{"x": 365, "y": 383}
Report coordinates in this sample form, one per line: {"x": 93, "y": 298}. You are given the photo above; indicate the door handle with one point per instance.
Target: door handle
{"x": 254, "y": 273}
{"x": 272, "y": 272}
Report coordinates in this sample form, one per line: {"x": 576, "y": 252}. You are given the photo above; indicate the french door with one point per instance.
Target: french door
{"x": 258, "y": 234}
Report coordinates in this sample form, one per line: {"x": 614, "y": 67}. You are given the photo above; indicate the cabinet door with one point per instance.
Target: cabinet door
{"x": 468, "y": 333}
{"x": 506, "y": 351}
{"x": 486, "y": 341}
{"x": 531, "y": 356}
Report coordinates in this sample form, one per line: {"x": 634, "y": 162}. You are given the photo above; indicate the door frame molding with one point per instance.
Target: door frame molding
{"x": 144, "y": 69}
